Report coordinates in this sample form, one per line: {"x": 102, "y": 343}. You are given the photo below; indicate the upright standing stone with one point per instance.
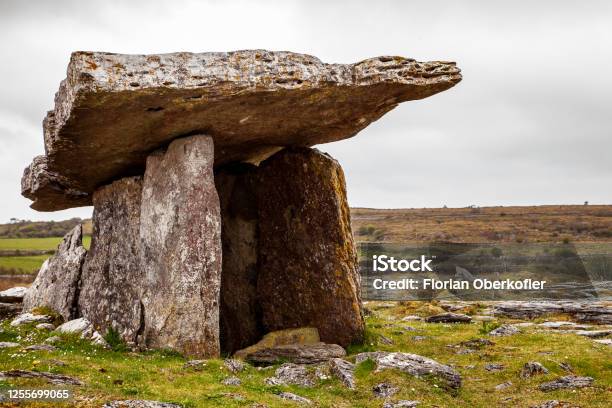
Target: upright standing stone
{"x": 57, "y": 282}
{"x": 240, "y": 316}
{"x": 111, "y": 281}
{"x": 180, "y": 234}
{"x": 308, "y": 262}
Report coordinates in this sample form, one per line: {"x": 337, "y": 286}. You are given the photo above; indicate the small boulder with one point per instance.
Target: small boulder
{"x": 411, "y": 318}
{"x": 80, "y": 326}
{"x": 344, "y": 371}
{"x": 555, "y": 404}
{"x": 384, "y": 390}
{"x": 41, "y": 347}
{"x": 53, "y": 340}
{"x": 449, "y": 318}
{"x": 293, "y": 374}
{"x": 45, "y": 326}
{"x": 532, "y": 368}
{"x": 234, "y": 381}
{"x": 295, "y": 398}
{"x": 569, "y": 381}
{"x": 8, "y": 344}
{"x": 494, "y": 367}
{"x": 196, "y": 365}
{"x": 13, "y": 295}
{"x": 139, "y": 404}
{"x": 234, "y": 365}
{"x": 605, "y": 342}
{"x": 58, "y": 379}
{"x": 503, "y": 386}
{"x": 401, "y": 404}
{"x": 505, "y": 330}
{"x": 26, "y": 318}
{"x": 297, "y": 353}
{"x": 412, "y": 364}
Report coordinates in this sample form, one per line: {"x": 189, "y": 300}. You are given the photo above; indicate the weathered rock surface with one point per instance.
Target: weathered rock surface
{"x": 180, "y": 233}
{"x": 586, "y": 312}
{"x": 233, "y": 381}
{"x": 239, "y": 314}
{"x": 302, "y": 335}
{"x": 10, "y": 309}
{"x": 569, "y": 381}
{"x": 308, "y": 261}
{"x": 113, "y": 110}
{"x": 564, "y": 325}
{"x": 412, "y": 364}
{"x": 532, "y": 368}
{"x": 235, "y": 366}
{"x": 294, "y": 397}
{"x": 41, "y": 347}
{"x": 139, "y": 404}
{"x": 556, "y": 404}
{"x": 344, "y": 371}
{"x": 384, "y": 390}
{"x": 449, "y": 318}
{"x": 58, "y": 379}
{"x": 293, "y": 374}
{"x": 297, "y": 353}
{"x": 504, "y": 330}
{"x": 112, "y": 279}
{"x": 503, "y": 386}
{"x": 26, "y": 318}
{"x": 401, "y": 404}
{"x": 8, "y": 344}
{"x": 57, "y": 283}
{"x": 85, "y": 329}
{"x": 13, "y": 295}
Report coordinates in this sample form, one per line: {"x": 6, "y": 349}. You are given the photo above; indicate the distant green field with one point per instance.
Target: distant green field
{"x": 21, "y": 264}
{"x": 36, "y": 243}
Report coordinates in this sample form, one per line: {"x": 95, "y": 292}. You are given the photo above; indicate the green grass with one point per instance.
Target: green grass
{"x": 38, "y": 244}
{"x": 159, "y": 375}
{"x": 22, "y": 264}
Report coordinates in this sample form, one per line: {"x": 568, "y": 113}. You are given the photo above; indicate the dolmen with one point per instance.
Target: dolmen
{"x": 215, "y": 220}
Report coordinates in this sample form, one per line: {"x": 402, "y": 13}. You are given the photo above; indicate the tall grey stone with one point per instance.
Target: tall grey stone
{"x": 111, "y": 282}
{"x": 180, "y": 233}
{"x": 57, "y": 284}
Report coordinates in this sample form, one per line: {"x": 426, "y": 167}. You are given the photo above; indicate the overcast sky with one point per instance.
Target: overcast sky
{"x": 531, "y": 122}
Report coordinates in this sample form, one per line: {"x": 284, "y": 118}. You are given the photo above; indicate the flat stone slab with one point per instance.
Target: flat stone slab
{"x": 112, "y": 110}
{"x": 13, "y": 295}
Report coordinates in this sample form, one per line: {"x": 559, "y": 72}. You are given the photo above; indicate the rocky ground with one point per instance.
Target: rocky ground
{"x": 416, "y": 354}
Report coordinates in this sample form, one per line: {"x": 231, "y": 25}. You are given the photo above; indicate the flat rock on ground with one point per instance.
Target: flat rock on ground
{"x": 504, "y": 330}
{"x": 344, "y": 371}
{"x": 139, "y": 404}
{"x": 449, "y": 318}
{"x": 585, "y": 312}
{"x": 112, "y": 110}
{"x": 8, "y": 344}
{"x": 26, "y": 318}
{"x": 294, "y": 397}
{"x": 384, "y": 390}
{"x": 13, "y": 295}
{"x": 412, "y": 364}
{"x": 401, "y": 404}
{"x": 293, "y": 374}
{"x": 532, "y": 368}
{"x": 57, "y": 282}
{"x": 569, "y": 381}
{"x": 297, "y": 353}
{"x": 58, "y": 379}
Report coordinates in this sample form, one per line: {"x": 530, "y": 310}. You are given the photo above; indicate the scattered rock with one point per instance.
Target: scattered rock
{"x": 569, "y": 381}
{"x": 54, "y": 362}
{"x": 45, "y": 326}
{"x": 8, "y": 344}
{"x": 80, "y": 326}
{"x": 303, "y": 335}
{"x": 401, "y": 404}
{"x": 344, "y": 371}
{"x": 566, "y": 367}
{"x": 57, "y": 282}
{"x": 232, "y": 381}
{"x": 505, "y": 330}
{"x": 532, "y": 368}
{"x": 419, "y": 338}
{"x": 411, "y": 318}
{"x": 384, "y": 340}
{"x": 110, "y": 110}
{"x": 594, "y": 334}
{"x": 139, "y": 404}
{"x": 51, "y": 377}
{"x": 41, "y": 347}
{"x": 26, "y": 318}
{"x": 297, "y": 353}
{"x": 294, "y": 374}
{"x": 555, "y": 404}
{"x": 523, "y": 324}
{"x": 475, "y": 343}
{"x": 607, "y": 342}
{"x": 412, "y": 364}
{"x": 196, "y": 365}
{"x": 503, "y": 386}
{"x": 564, "y": 325}
{"x": 234, "y": 365}
{"x": 53, "y": 340}
{"x": 384, "y": 390}
{"x": 302, "y": 198}
{"x": 13, "y": 295}
{"x": 494, "y": 367}
{"x": 409, "y": 328}
{"x": 180, "y": 237}
{"x": 449, "y": 318}
{"x": 294, "y": 397}
{"x": 465, "y": 351}
{"x": 585, "y": 312}
{"x": 483, "y": 318}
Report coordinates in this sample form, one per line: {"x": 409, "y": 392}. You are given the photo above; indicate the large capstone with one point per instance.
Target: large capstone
{"x": 308, "y": 261}
{"x": 112, "y": 276}
{"x": 57, "y": 284}
{"x": 180, "y": 234}
{"x": 112, "y": 110}
{"x": 240, "y": 315}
